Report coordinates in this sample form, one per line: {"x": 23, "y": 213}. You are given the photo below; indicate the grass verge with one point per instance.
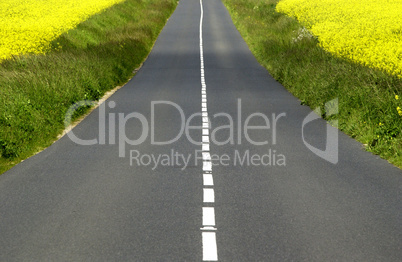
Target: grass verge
{"x": 98, "y": 55}
{"x": 367, "y": 97}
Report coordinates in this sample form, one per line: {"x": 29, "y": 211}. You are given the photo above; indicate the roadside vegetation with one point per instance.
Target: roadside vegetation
{"x": 82, "y": 63}
{"x": 368, "y": 32}
{"x": 28, "y": 26}
{"x": 370, "y": 99}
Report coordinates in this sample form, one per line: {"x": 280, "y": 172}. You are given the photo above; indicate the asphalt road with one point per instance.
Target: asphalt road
{"x": 269, "y": 196}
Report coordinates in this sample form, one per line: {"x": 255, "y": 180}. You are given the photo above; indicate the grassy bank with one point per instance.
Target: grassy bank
{"x": 98, "y": 55}
{"x": 368, "y": 98}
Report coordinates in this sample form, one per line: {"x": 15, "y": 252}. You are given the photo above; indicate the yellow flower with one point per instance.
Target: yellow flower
{"x": 368, "y": 32}
{"x": 396, "y": 97}
{"x": 23, "y": 31}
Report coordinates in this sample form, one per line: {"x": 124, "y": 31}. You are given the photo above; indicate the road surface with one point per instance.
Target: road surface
{"x": 202, "y": 156}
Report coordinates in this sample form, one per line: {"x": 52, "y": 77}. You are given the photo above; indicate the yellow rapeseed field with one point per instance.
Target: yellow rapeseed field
{"x": 369, "y": 31}
{"x": 28, "y": 26}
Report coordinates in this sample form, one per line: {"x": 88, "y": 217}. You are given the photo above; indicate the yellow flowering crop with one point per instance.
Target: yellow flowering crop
{"x": 28, "y": 26}
{"x": 398, "y": 109}
{"x": 369, "y": 31}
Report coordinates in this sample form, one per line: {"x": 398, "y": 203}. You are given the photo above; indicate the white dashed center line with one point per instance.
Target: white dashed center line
{"x": 209, "y": 247}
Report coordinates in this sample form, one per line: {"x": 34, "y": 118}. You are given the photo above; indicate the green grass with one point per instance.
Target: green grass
{"x": 366, "y": 96}
{"x": 98, "y": 55}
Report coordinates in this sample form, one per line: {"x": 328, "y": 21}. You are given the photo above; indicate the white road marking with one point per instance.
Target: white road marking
{"x": 208, "y": 180}
{"x": 206, "y": 156}
{"x": 208, "y": 216}
{"x": 205, "y": 147}
{"x": 209, "y": 195}
{"x": 209, "y": 246}
{"x": 210, "y": 250}
{"x": 208, "y": 228}
{"x": 207, "y": 166}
